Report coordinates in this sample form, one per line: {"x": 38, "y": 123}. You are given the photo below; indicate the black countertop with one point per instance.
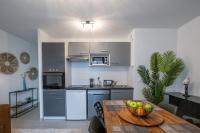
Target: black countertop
{"x": 87, "y": 87}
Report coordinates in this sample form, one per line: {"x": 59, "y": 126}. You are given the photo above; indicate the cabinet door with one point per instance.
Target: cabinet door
{"x": 53, "y": 57}
{"x": 120, "y": 53}
{"x": 54, "y": 103}
{"x": 99, "y": 47}
{"x": 78, "y": 48}
{"x": 76, "y": 104}
{"x": 121, "y": 94}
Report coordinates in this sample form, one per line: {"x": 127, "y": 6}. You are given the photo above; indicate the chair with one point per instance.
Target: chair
{"x": 99, "y": 110}
{"x": 192, "y": 120}
{"x": 169, "y": 107}
{"x": 96, "y": 126}
{"x": 5, "y": 122}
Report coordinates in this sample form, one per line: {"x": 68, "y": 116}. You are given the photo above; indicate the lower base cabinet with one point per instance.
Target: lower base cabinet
{"x": 76, "y": 104}
{"x": 121, "y": 94}
{"x": 54, "y": 103}
{"x": 79, "y": 104}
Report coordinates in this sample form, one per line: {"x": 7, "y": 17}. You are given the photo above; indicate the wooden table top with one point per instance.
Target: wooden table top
{"x": 113, "y": 121}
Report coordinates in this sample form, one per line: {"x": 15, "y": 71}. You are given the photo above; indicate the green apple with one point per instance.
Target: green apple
{"x": 148, "y": 107}
{"x": 133, "y": 104}
{"x": 139, "y": 104}
{"x": 129, "y": 102}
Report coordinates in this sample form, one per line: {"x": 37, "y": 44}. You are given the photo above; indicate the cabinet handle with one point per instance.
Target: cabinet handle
{"x": 52, "y": 93}
{"x": 115, "y": 63}
{"x": 104, "y": 51}
{"x": 60, "y": 99}
{"x": 83, "y": 53}
{"x": 100, "y": 93}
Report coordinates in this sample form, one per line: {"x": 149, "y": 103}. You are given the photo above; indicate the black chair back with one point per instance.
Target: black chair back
{"x": 96, "y": 126}
{"x": 99, "y": 110}
{"x": 169, "y": 107}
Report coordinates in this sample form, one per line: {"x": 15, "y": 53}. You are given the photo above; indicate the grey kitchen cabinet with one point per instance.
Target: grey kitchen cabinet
{"x": 120, "y": 53}
{"x": 53, "y": 57}
{"x": 121, "y": 94}
{"x": 78, "y": 48}
{"x": 54, "y": 102}
{"x": 99, "y": 47}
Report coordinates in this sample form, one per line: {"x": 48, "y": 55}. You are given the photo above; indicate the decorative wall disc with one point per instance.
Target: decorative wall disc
{"x": 8, "y": 63}
{"x": 33, "y": 73}
{"x": 24, "y": 57}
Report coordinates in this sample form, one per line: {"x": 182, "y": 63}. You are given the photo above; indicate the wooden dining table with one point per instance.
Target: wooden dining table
{"x": 171, "y": 123}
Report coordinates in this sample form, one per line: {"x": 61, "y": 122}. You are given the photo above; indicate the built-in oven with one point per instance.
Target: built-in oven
{"x": 53, "y": 80}
{"x": 99, "y": 60}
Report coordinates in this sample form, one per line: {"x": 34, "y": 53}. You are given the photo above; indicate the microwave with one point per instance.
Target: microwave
{"x": 99, "y": 60}
{"x": 53, "y": 80}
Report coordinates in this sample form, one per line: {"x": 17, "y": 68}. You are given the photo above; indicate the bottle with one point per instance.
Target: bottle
{"x": 99, "y": 81}
{"x": 91, "y": 82}
{"x": 24, "y": 81}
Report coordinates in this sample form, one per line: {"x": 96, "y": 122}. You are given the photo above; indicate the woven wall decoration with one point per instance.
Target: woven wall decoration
{"x": 8, "y": 63}
{"x": 24, "y": 57}
{"x": 33, "y": 73}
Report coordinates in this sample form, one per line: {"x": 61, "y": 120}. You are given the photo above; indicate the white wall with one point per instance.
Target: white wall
{"x": 189, "y": 50}
{"x": 81, "y": 73}
{"x": 144, "y": 42}
{"x": 12, "y": 44}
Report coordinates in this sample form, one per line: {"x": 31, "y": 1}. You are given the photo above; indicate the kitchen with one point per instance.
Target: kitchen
{"x": 76, "y": 101}
{"x": 77, "y": 66}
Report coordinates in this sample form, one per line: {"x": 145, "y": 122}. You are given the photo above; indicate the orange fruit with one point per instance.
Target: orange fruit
{"x": 140, "y": 111}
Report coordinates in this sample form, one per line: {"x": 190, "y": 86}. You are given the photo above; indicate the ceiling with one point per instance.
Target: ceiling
{"x": 114, "y": 18}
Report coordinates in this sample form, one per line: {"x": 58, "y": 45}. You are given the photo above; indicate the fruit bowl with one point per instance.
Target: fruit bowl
{"x": 139, "y": 108}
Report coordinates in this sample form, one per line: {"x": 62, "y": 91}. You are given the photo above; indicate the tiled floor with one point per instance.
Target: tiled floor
{"x": 31, "y": 120}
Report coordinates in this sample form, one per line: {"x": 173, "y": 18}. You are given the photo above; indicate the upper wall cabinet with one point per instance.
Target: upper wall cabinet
{"x": 53, "y": 57}
{"x": 99, "y": 47}
{"x": 119, "y": 53}
{"x": 78, "y": 48}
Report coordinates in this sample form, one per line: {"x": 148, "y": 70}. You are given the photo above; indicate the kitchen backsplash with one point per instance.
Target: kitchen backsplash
{"x": 80, "y": 73}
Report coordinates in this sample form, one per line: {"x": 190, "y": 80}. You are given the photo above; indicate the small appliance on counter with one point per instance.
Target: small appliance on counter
{"x": 92, "y": 82}
{"x": 53, "y": 80}
{"x": 108, "y": 82}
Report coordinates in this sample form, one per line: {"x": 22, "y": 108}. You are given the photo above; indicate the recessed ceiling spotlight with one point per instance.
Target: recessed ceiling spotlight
{"x": 88, "y": 25}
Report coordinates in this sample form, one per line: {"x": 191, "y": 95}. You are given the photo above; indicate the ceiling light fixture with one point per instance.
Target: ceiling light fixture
{"x": 88, "y": 25}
